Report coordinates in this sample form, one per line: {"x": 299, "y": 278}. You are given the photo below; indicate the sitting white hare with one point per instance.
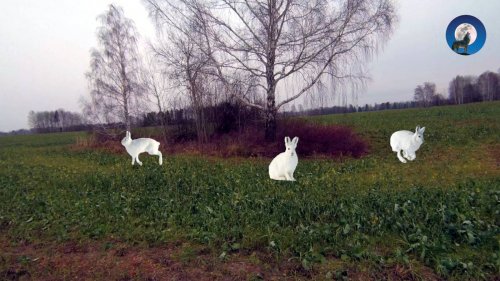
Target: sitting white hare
{"x": 408, "y": 142}
{"x": 138, "y": 146}
{"x": 283, "y": 165}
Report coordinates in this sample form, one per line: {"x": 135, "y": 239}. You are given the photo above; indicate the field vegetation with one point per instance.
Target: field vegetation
{"x": 346, "y": 218}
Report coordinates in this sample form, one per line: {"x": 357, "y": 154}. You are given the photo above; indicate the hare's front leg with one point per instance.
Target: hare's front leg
{"x": 411, "y": 156}
{"x": 408, "y": 155}
{"x": 133, "y": 160}
{"x": 401, "y": 158}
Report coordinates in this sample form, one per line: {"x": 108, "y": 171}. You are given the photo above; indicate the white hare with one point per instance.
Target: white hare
{"x": 408, "y": 142}
{"x": 138, "y": 146}
{"x": 283, "y": 165}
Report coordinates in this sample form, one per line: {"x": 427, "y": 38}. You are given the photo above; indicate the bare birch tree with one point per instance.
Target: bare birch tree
{"x": 489, "y": 85}
{"x": 182, "y": 50}
{"x": 455, "y": 90}
{"x": 458, "y": 88}
{"x": 187, "y": 65}
{"x": 155, "y": 81}
{"x": 114, "y": 76}
{"x": 275, "y": 40}
{"x": 425, "y": 94}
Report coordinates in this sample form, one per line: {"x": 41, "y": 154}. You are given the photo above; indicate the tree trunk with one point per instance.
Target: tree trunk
{"x": 125, "y": 111}
{"x": 161, "y": 115}
{"x": 271, "y": 109}
{"x": 203, "y": 124}
{"x": 271, "y": 122}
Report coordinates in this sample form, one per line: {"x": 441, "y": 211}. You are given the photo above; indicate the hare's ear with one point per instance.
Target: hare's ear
{"x": 287, "y": 140}
{"x": 417, "y": 129}
{"x": 128, "y": 134}
{"x": 295, "y": 140}
{"x": 422, "y": 130}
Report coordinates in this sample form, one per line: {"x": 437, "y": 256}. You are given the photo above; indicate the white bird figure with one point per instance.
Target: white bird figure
{"x": 283, "y": 165}
{"x": 408, "y": 142}
{"x": 138, "y": 146}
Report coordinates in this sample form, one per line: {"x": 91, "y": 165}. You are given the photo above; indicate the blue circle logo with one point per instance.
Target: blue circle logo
{"x": 465, "y": 35}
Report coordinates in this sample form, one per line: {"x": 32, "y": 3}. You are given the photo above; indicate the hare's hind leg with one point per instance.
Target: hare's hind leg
{"x": 137, "y": 160}
{"x": 160, "y": 156}
{"x": 289, "y": 177}
{"x": 406, "y": 155}
{"x": 157, "y": 152}
{"x": 276, "y": 177}
{"x": 401, "y": 158}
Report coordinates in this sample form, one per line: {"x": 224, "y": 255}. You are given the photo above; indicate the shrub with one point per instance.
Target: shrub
{"x": 232, "y": 116}
{"x": 315, "y": 140}
{"x": 327, "y": 140}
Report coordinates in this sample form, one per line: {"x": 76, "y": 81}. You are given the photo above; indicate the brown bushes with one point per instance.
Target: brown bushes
{"x": 315, "y": 140}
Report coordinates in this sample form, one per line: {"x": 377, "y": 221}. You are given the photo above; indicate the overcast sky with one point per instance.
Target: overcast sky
{"x": 44, "y": 51}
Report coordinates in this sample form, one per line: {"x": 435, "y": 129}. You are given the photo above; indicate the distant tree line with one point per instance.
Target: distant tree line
{"x": 16, "y": 132}
{"x": 55, "y": 121}
{"x": 351, "y": 108}
{"x": 466, "y": 89}
{"x": 426, "y": 95}
{"x": 461, "y": 90}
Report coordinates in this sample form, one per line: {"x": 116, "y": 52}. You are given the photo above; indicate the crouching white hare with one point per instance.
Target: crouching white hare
{"x": 138, "y": 146}
{"x": 408, "y": 142}
{"x": 283, "y": 165}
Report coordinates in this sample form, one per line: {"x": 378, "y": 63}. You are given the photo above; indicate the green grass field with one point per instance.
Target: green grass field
{"x": 437, "y": 216}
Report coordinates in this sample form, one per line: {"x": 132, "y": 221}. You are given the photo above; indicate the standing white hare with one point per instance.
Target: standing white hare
{"x": 283, "y": 165}
{"x": 408, "y": 142}
{"x": 138, "y": 146}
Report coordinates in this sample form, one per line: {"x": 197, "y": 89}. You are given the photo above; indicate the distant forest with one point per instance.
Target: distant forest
{"x": 461, "y": 90}
{"x": 58, "y": 120}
